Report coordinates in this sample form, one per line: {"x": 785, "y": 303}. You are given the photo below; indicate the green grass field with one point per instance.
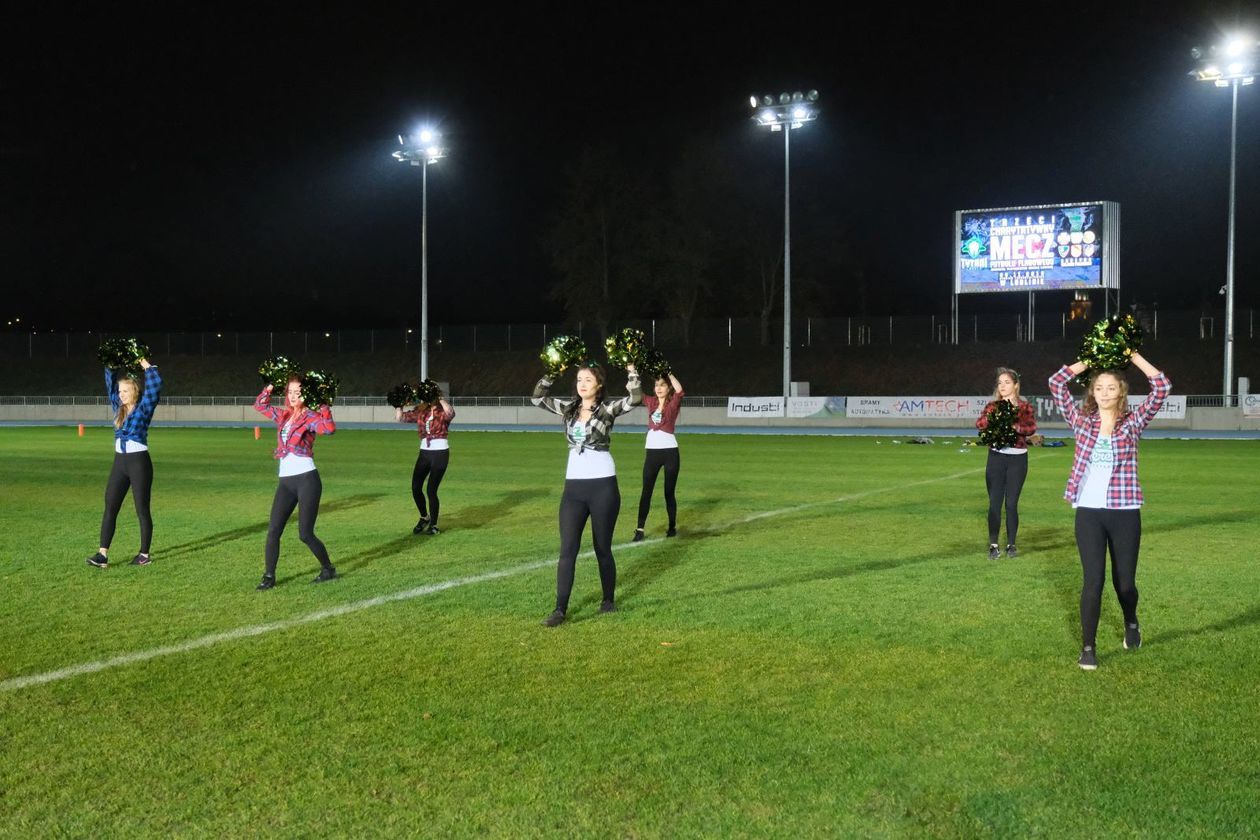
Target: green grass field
{"x": 824, "y": 651}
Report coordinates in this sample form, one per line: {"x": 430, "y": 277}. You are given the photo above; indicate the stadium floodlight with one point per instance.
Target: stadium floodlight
{"x": 422, "y": 149}
{"x": 792, "y": 112}
{"x": 1241, "y": 51}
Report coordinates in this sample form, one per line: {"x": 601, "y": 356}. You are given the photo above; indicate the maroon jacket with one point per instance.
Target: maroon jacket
{"x": 433, "y": 424}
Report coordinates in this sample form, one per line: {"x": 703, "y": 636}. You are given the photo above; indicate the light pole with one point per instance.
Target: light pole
{"x": 422, "y": 149}
{"x": 788, "y": 112}
{"x": 1230, "y": 65}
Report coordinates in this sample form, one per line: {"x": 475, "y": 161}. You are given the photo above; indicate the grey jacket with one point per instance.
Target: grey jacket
{"x": 606, "y": 412}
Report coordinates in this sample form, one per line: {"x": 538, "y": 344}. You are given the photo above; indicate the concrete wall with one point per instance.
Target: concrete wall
{"x": 1197, "y": 419}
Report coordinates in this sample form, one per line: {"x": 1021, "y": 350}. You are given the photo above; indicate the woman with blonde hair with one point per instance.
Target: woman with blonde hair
{"x": 133, "y": 469}
{"x": 1007, "y": 467}
{"x": 1104, "y": 490}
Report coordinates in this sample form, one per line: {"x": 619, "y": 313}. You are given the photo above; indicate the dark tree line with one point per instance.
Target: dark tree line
{"x": 703, "y": 236}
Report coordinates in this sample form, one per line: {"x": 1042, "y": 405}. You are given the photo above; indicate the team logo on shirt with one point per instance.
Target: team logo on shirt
{"x": 657, "y": 416}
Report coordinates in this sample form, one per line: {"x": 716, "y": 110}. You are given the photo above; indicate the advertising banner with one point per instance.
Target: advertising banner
{"x": 916, "y": 408}
{"x": 815, "y": 407}
{"x": 747, "y": 407}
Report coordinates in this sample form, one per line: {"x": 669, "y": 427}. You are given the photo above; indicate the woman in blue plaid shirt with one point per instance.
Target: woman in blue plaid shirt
{"x": 132, "y": 470}
{"x": 1103, "y": 488}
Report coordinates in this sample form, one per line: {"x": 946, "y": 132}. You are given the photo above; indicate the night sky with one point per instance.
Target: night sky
{"x": 185, "y": 166}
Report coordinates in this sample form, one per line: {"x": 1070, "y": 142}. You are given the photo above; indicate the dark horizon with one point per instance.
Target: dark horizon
{"x": 187, "y": 167}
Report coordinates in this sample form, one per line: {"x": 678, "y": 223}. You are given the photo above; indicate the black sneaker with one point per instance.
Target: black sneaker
{"x": 1089, "y": 659}
{"x": 98, "y": 560}
{"x": 638, "y": 535}
{"x": 141, "y": 560}
{"x": 433, "y": 530}
{"x": 994, "y": 552}
{"x": 607, "y": 607}
{"x": 1132, "y": 637}
{"x": 421, "y": 525}
{"x": 1012, "y": 551}
{"x": 554, "y": 620}
{"x": 267, "y": 582}
{"x": 326, "y": 573}
{"x": 672, "y": 532}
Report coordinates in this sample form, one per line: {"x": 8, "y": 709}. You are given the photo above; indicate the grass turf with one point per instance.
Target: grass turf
{"x": 825, "y": 650}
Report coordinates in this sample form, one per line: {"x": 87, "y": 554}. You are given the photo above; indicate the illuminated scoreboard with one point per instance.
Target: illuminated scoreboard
{"x": 1041, "y": 248}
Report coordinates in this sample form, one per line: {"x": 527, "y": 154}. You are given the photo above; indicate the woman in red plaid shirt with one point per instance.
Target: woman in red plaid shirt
{"x": 433, "y": 423}
{"x": 661, "y": 450}
{"x": 300, "y": 487}
{"x": 1103, "y": 488}
{"x": 1007, "y": 467}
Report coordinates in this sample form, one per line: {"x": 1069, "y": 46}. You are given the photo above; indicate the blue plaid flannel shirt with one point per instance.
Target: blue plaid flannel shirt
{"x": 136, "y": 427}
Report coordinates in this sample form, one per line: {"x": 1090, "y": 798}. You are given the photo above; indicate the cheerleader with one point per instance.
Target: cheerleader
{"x": 661, "y": 450}
{"x": 590, "y": 481}
{"x": 1103, "y": 488}
{"x": 433, "y": 423}
{"x": 300, "y": 487}
{"x": 1007, "y": 466}
{"x": 133, "y": 469}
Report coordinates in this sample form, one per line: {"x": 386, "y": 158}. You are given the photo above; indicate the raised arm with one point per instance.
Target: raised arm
{"x": 621, "y": 406}
{"x": 323, "y": 423}
{"x": 543, "y": 400}
{"x": 678, "y": 388}
{"x": 1161, "y": 387}
{"x": 447, "y": 409}
{"x": 152, "y": 389}
{"x": 263, "y": 405}
{"x": 1062, "y": 396}
{"x": 111, "y": 389}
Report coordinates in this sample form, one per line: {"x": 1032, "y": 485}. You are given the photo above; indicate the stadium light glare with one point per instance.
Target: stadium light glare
{"x": 792, "y": 112}
{"x": 1240, "y": 50}
{"x": 425, "y": 151}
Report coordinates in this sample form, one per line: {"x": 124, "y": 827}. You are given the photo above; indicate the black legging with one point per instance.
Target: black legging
{"x": 1004, "y": 477}
{"x": 600, "y": 500}
{"x": 295, "y": 490}
{"x": 653, "y": 462}
{"x": 133, "y": 470}
{"x": 431, "y": 464}
{"x": 1096, "y": 529}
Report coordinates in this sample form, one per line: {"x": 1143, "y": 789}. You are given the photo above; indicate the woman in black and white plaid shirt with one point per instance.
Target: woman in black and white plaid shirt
{"x": 590, "y": 482}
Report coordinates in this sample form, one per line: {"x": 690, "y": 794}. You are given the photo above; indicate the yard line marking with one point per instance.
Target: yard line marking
{"x": 17, "y": 683}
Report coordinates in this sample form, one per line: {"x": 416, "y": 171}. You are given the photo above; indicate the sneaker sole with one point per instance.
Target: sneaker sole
{"x": 98, "y": 565}
{"x": 1088, "y": 667}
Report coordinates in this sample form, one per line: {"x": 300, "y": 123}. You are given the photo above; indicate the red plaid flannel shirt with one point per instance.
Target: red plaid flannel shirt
{"x": 1025, "y": 422}
{"x": 669, "y": 412}
{"x": 305, "y": 426}
{"x": 1124, "y": 489}
{"x": 439, "y": 422}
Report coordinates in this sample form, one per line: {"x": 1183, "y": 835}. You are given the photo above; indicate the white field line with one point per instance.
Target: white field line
{"x": 17, "y": 683}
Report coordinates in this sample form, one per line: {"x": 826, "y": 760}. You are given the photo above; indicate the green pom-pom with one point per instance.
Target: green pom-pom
{"x": 318, "y": 388}
{"x": 625, "y": 347}
{"x": 1000, "y": 430}
{"x": 402, "y": 394}
{"x": 428, "y": 392}
{"x": 654, "y": 365}
{"x": 1112, "y": 342}
{"x": 277, "y": 371}
{"x": 562, "y": 352}
{"x": 122, "y": 354}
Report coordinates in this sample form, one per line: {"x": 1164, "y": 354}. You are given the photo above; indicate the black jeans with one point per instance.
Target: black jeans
{"x": 1098, "y": 529}
{"x": 133, "y": 471}
{"x": 654, "y": 461}
{"x": 295, "y": 490}
{"x": 1004, "y": 477}
{"x": 430, "y": 464}
{"x": 598, "y": 499}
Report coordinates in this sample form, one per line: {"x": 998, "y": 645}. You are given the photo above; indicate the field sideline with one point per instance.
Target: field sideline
{"x": 825, "y": 649}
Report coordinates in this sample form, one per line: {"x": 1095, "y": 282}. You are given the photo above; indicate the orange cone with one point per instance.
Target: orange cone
{"x": 257, "y": 433}
{"x": 80, "y": 430}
